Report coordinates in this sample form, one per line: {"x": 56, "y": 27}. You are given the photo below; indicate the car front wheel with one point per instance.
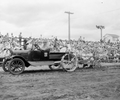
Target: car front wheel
{"x": 16, "y": 66}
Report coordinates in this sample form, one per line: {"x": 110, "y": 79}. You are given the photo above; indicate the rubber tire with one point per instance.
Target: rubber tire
{"x": 69, "y": 70}
{"x": 13, "y": 72}
{"x": 4, "y": 65}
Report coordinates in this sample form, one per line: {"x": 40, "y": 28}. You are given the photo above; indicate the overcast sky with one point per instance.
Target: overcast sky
{"x": 48, "y": 18}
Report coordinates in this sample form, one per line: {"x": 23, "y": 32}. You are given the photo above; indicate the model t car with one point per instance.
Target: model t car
{"x": 20, "y": 59}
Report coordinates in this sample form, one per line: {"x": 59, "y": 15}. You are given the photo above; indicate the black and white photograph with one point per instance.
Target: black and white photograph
{"x": 59, "y": 50}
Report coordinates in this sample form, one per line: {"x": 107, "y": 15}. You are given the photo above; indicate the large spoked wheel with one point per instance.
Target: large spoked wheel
{"x": 16, "y": 66}
{"x": 5, "y": 65}
{"x": 69, "y": 62}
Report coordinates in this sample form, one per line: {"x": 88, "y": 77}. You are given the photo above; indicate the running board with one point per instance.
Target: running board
{"x": 42, "y": 63}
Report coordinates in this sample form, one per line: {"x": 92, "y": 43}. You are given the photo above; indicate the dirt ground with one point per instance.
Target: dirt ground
{"x": 44, "y": 84}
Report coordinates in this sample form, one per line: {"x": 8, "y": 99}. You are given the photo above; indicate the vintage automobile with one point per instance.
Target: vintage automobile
{"x": 19, "y": 59}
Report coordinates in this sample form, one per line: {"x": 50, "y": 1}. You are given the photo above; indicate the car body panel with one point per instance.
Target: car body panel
{"x": 37, "y": 57}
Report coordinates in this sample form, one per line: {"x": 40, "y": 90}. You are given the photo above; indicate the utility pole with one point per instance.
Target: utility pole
{"x": 100, "y": 27}
{"x": 69, "y": 24}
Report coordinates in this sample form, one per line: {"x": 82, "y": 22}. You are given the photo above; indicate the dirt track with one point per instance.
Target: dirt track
{"x": 83, "y": 84}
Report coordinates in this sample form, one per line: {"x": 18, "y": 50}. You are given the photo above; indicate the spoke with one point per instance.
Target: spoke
{"x": 16, "y": 69}
{"x": 13, "y": 63}
{"x": 69, "y": 64}
{"x": 17, "y": 62}
{"x": 19, "y": 69}
{"x": 16, "y": 66}
{"x": 12, "y": 68}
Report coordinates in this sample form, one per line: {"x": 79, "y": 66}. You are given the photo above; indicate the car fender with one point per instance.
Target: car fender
{"x": 27, "y": 64}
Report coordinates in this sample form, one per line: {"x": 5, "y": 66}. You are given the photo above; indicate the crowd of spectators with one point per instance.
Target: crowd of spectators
{"x": 107, "y": 51}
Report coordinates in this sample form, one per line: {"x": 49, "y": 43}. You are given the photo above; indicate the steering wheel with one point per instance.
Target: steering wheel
{"x": 36, "y": 47}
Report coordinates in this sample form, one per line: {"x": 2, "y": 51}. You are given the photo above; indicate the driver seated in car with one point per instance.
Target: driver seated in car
{"x": 45, "y": 46}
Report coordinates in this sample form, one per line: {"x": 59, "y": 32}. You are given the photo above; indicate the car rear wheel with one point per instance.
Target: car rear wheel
{"x": 16, "y": 66}
{"x": 5, "y": 65}
{"x": 69, "y": 63}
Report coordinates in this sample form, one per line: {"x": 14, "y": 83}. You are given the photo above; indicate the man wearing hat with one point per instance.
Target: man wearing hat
{"x": 45, "y": 45}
